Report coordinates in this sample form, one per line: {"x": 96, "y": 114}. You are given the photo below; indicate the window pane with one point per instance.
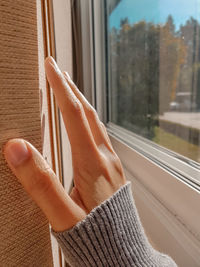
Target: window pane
{"x": 153, "y": 60}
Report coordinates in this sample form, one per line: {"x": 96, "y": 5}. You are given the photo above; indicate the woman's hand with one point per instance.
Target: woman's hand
{"x": 97, "y": 169}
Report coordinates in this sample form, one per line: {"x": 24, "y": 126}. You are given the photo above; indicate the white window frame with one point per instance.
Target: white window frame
{"x": 170, "y": 183}
{"x": 57, "y": 32}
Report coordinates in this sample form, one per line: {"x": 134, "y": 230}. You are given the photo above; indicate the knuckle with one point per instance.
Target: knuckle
{"x": 104, "y": 169}
{"x": 115, "y": 159}
{"x": 103, "y": 126}
{"x": 118, "y": 166}
{"x": 77, "y": 108}
{"x": 103, "y": 165}
{"x": 106, "y": 173}
{"x": 110, "y": 158}
{"x": 92, "y": 112}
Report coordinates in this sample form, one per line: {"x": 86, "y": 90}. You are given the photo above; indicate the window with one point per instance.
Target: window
{"x": 165, "y": 179}
{"x": 153, "y": 61}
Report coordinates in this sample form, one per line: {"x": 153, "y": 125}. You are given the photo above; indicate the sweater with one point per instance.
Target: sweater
{"x": 111, "y": 235}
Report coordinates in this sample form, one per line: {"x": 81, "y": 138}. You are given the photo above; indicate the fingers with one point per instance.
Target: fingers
{"x": 96, "y": 126}
{"x": 41, "y": 184}
{"x": 76, "y": 123}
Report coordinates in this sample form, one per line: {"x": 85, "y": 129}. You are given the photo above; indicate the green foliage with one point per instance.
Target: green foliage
{"x": 135, "y": 69}
{"x": 148, "y": 65}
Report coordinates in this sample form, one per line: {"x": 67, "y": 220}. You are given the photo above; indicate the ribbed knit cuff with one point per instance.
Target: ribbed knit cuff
{"x": 111, "y": 235}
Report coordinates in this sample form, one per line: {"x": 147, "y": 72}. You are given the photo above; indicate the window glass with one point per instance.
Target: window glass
{"x": 153, "y": 67}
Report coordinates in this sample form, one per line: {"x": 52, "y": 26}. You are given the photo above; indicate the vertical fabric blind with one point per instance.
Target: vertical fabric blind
{"x": 24, "y": 231}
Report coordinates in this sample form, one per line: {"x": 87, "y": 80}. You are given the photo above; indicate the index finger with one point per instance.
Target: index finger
{"x": 74, "y": 117}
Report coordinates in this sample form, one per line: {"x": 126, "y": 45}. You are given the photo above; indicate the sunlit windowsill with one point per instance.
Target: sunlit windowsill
{"x": 184, "y": 168}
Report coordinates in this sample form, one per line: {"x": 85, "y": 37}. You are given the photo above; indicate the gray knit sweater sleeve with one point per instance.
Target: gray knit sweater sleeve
{"x": 111, "y": 235}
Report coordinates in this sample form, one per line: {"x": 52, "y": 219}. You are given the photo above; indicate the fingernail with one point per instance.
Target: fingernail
{"x": 54, "y": 64}
{"x": 52, "y": 60}
{"x": 16, "y": 152}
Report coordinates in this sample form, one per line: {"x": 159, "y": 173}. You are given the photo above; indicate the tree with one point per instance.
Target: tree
{"x": 135, "y": 76}
{"x": 150, "y": 64}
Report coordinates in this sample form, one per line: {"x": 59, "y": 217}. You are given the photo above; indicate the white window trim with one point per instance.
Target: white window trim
{"x": 160, "y": 223}
{"x": 58, "y": 29}
{"x": 63, "y": 56}
{"x": 160, "y": 181}
{"x": 188, "y": 170}
{"x": 177, "y": 197}
{"x": 163, "y": 176}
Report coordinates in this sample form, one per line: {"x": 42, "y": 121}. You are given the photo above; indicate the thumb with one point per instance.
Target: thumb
{"x": 42, "y": 185}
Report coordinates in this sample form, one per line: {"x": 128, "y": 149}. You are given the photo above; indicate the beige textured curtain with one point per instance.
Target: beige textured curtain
{"x": 24, "y": 231}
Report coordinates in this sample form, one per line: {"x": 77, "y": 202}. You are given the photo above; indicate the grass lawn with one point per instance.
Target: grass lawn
{"x": 176, "y": 144}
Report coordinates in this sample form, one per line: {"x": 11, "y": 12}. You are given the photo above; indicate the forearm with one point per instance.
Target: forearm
{"x": 111, "y": 235}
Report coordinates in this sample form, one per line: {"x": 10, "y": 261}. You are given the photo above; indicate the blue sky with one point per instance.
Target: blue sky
{"x": 155, "y": 11}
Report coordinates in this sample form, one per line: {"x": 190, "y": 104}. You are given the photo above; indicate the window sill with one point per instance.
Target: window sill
{"x": 163, "y": 193}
